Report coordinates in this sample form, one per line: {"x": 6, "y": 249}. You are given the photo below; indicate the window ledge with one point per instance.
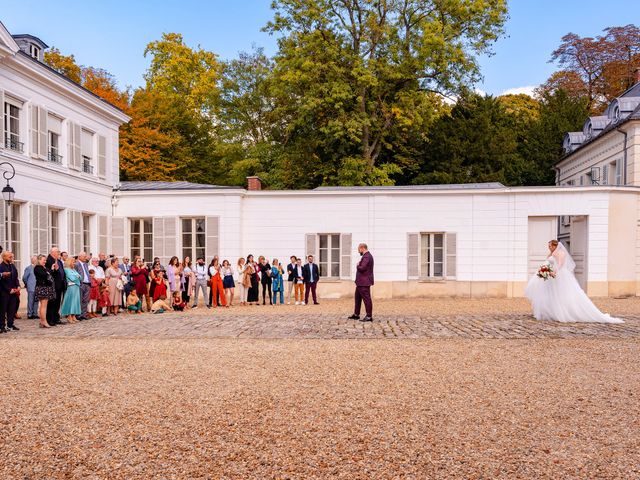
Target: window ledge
{"x": 332, "y": 280}
{"x": 432, "y": 280}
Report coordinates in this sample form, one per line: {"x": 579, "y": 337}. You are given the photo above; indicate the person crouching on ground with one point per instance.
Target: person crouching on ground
{"x": 134, "y": 304}
{"x": 160, "y": 305}
{"x": 178, "y": 302}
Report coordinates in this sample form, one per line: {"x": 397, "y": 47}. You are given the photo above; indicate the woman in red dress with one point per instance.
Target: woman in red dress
{"x": 139, "y": 273}
{"x": 160, "y": 287}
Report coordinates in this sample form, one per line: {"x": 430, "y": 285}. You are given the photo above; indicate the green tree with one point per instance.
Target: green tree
{"x": 349, "y": 73}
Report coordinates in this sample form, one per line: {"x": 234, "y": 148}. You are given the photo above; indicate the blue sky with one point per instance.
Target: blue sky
{"x": 114, "y": 37}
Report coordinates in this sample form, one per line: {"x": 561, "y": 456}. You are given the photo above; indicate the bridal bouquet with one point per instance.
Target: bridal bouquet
{"x": 545, "y": 271}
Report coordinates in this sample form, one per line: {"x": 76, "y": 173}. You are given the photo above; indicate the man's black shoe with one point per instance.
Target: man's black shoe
{"x": 2, "y": 330}
{"x": 367, "y": 319}
{"x": 354, "y": 317}
{"x": 13, "y": 327}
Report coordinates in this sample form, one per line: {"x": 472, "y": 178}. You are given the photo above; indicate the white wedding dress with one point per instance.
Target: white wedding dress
{"x": 561, "y": 298}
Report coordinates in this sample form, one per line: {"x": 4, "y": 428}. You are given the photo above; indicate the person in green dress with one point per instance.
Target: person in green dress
{"x": 71, "y": 302}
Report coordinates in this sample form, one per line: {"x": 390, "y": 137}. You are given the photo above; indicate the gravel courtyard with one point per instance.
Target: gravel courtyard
{"x": 126, "y": 398}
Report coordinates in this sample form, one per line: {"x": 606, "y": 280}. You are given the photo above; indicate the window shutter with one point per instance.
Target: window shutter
{"x": 311, "y": 244}
{"x": 413, "y": 257}
{"x": 43, "y": 116}
{"x": 452, "y": 249}
{"x": 35, "y": 238}
{"x": 102, "y": 156}
{"x": 43, "y": 219}
{"x": 34, "y": 136}
{"x": 77, "y": 149}
{"x": 77, "y": 224}
{"x": 3, "y": 228}
{"x": 71, "y": 147}
{"x": 345, "y": 255}
{"x": 117, "y": 236}
{"x": 2, "y": 139}
{"x": 212, "y": 239}
{"x": 103, "y": 235}
{"x": 71, "y": 228}
{"x": 170, "y": 238}
{"x": 158, "y": 237}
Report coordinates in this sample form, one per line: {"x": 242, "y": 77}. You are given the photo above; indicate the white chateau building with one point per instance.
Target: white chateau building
{"x": 454, "y": 240}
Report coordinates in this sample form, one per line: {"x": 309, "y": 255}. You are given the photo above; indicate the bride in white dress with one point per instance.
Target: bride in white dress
{"x": 560, "y": 297}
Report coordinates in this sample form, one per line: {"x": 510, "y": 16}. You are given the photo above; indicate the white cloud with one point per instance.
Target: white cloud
{"x": 528, "y": 90}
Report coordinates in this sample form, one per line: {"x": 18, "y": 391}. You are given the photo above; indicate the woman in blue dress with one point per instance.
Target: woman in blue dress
{"x": 71, "y": 302}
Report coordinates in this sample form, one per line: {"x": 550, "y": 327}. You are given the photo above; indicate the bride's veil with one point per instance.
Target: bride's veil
{"x": 564, "y": 257}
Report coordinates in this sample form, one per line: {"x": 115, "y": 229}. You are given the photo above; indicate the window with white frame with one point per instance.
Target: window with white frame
{"x": 54, "y": 125}
{"x": 431, "y": 255}
{"x": 12, "y": 127}
{"x": 193, "y": 237}
{"x": 142, "y": 238}
{"x": 54, "y": 228}
{"x": 86, "y": 146}
{"x": 618, "y": 172}
{"x": 86, "y": 233}
{"x": 329, "y": 255}
{"x": 34, "y": 51}
{"x": 12, "y": 227}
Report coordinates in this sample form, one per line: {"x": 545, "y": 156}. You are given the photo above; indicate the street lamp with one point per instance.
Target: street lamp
{"x": 8, "y": 193}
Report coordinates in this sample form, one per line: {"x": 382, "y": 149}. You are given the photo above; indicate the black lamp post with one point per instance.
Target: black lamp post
{"x": 8, "y": 193}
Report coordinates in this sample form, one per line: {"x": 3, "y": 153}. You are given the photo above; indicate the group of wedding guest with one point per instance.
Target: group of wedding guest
{"x": 67, "y": 289}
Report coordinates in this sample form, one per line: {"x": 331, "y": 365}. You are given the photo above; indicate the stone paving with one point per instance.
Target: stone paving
{"x": 508, "y": 320}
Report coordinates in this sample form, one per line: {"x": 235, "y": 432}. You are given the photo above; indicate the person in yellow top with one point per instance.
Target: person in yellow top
{"x": 160, "y": 305}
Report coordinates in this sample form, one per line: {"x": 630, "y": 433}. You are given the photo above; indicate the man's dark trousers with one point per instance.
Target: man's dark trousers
{"x": 310, "y": 287}
{"x": 363, "y": 294}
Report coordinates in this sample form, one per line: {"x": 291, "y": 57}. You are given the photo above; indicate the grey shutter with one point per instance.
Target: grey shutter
{"x": 35, "y": 238}
{"x": 43, "y": 130}
{"x": 77, "y": 149}
{"x": 452, "y": 249}
{"x": 3, "y": 226}
{"x": 311, "y": 244}
{"x": 71, "y": 147}
{"x": 158, "y": 237}
{"x": 117, "y": 236}
{"x": 77, "y": 223}
{"x": 345, "y": 255}
{"x": 102, "y": 156}
{"x": 103, "y": 234}
{"x": 170, "y": 238}
{"x": 413, "y": 256}
{"x": 34, "y": 136}
{"x": 71, "y": 230}
{"x": 2, "y": 139}
{"x": 212, "y": 239}
{"x": 43, "y": 225}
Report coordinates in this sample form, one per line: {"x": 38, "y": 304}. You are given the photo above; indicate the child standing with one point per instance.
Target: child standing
{"x": 278, "y": 281}
{"x": 94, "y": 295}
{"x": 104, "y": 301}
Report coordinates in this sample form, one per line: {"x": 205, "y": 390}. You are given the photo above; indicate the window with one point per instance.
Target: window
{"x": 581, "y": 180}
{"x": 12, "y": 127}
{"x": 12, "y": 226}
{"x": 54, "y": 229}
{"x": 54, "y": 148}
{"x": 34, "y": 51}
{"x": 86, "y": 146}
{"x": 193, "y": 237}
{"x": 431, "y": 255}
{"x": 605, "y": 175}
{"x": 86, "y": 233}
{"x": 618, "y": 171}
{"x": 329, "y": 253}
{"x": 142, "y": 238}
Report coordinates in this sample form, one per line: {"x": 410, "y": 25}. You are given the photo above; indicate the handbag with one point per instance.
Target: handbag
{"x": 119, "y": 285}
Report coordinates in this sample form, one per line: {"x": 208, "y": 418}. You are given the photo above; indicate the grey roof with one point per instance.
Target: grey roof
{"x": 635, "y": 115}
{"x": 28, "y": 36}
{"x": 138, "y": 186}
{"x": 453, "y": 186}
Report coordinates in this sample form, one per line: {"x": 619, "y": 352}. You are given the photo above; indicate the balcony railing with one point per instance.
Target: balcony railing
{"x": 12, "y": 143}
{"x": 55, "y": 158}
{"x": 87, "y": 167}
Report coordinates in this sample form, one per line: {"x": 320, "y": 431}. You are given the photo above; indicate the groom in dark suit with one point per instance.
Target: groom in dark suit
{"x": 56, "y": 269}
{"x": 364, "y": 281}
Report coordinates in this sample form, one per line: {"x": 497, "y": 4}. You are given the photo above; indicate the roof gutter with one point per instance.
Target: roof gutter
{"x": 624, "y": 164}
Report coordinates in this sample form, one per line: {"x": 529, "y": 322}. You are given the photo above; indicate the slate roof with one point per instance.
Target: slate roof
{"x": 159, "y": 186}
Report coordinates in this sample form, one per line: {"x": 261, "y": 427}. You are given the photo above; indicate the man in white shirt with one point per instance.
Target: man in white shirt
{"x": 200, "y": 270}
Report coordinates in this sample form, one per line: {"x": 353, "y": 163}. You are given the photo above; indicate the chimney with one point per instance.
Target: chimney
{"x": 254, "y": 183}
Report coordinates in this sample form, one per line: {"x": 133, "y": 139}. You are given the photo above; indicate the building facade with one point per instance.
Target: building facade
{"x": 454, "y": 240}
